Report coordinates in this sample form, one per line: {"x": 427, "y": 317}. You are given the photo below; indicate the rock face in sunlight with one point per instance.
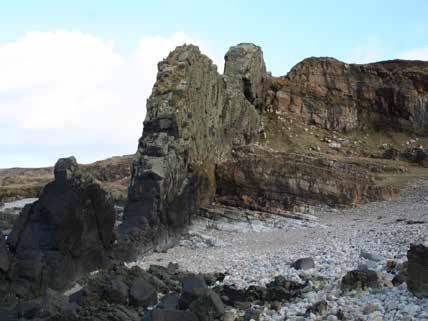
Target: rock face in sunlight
{"x": 391, "y": 95}
{"x": 263, "y": 179}
{"x": 66, "y": 233}
{"x": 194, "y": 118}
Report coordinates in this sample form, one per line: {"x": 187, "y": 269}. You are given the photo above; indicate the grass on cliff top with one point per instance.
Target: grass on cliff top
{"x": 289, "y": 133}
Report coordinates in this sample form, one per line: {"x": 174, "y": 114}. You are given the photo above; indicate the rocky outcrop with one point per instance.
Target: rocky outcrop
{"x": 67, "y": 232}
{"x": 263, "y": 179}
{"x": 417, "y": 270}
{"x": 390, "y": 95}
{"x": 4, "y": 255}
{"x": 194, "y": 118}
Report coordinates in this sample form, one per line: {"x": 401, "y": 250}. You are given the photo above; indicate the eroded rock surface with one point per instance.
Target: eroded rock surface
{"x": 4, "y": 255}
{"x": 66, "y": 233}
{"x": 263, "y": 179}
{"x": 194, "y": 117}
{"x": 389, "y": 95}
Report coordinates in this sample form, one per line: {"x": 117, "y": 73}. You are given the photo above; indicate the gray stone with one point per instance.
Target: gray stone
{"x": 304, "y": 264}
{"x": 142, "y": 293}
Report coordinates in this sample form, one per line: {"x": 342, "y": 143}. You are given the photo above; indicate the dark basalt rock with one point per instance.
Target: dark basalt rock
{"x": 194, "y": 117}
{"x": 173, "y": 315}
{"x": 359, "y": 280}
{"x": 66, "y": 233}
{"x": 304, "y": 264}
{"x": 142, "y": 293}
{"x": 4, "y": 255}
{"x": 417, "y": 270}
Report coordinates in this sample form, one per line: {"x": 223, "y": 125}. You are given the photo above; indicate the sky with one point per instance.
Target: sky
{"x": 75, "y": 75}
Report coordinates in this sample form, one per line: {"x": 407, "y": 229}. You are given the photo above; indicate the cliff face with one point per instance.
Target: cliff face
{"x": 194, "y": 117}
{"x": 389, "y": 95}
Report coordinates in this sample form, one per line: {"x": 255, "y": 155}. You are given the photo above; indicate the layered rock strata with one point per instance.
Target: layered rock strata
{"x": 389, "y": 95}
{"x": 197, "y": 117}
{"x": 263, "y": 179}
{"x": 194, "y": 118}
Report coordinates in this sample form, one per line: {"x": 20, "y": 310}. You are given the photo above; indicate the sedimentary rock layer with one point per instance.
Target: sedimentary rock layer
{"x": 264, "y": 179}
{"x": 197, "y": 117}
{"x": 389, "y": 95}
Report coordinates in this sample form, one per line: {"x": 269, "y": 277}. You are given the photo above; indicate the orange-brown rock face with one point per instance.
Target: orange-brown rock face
{"x": 262, "y": 179}
{"x": 335, "y": 95}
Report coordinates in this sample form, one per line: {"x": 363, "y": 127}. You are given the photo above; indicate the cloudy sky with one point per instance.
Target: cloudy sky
{"x": 75, "y": 75}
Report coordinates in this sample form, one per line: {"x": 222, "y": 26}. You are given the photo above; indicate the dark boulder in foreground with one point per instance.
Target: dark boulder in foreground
{"x": 417, "y": 270}
{"x": 66, "y": 233}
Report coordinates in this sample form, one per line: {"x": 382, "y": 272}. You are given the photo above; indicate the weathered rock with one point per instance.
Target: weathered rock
{"x": 169, "y": 302}
{"x": 194, "y": 117}
{"x": 207, "y": 306}
{"x": 320, "y": 308}
{"x": 388, "y": 95}
{"x": 304, "y": 264}
{"x": 4, "y": 255}
{"x": 360, "y": 280}
{"x": 391, "y": 153}
{"x": 66, "y": 233}
{"x": 417, "y": 270}
{"x": 262, "y": 179}
{"x": 142, "y": 293}
{"x": 117, "y": 291}
{"x": 193, "y": 287}
{"x": 173, "y": 315}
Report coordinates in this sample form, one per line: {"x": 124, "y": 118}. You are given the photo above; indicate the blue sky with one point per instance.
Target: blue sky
{"x": 78, "y": 72}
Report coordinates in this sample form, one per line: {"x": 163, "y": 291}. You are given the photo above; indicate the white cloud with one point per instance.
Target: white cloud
{"x": 69, "y": 92}
{"x": 415, "y": 54}
{"x": 368, "y": 51}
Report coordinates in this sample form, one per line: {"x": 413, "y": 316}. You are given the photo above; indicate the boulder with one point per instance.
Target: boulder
{"x": 360, "y": 280}
{"x": 304, "y": 264}
{"x": 193, "y": 286}
{"x": 169, "y": 302}
{"x": 116, "y": 291}
{"x": 142, "y": 293}
{"x": 66, "y": 233}
{"x": 207, "y": 306}
{"x": 417, "y": 270}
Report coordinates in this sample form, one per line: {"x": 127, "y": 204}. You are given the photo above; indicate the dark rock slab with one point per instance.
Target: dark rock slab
{"x": 417, "y": 270}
